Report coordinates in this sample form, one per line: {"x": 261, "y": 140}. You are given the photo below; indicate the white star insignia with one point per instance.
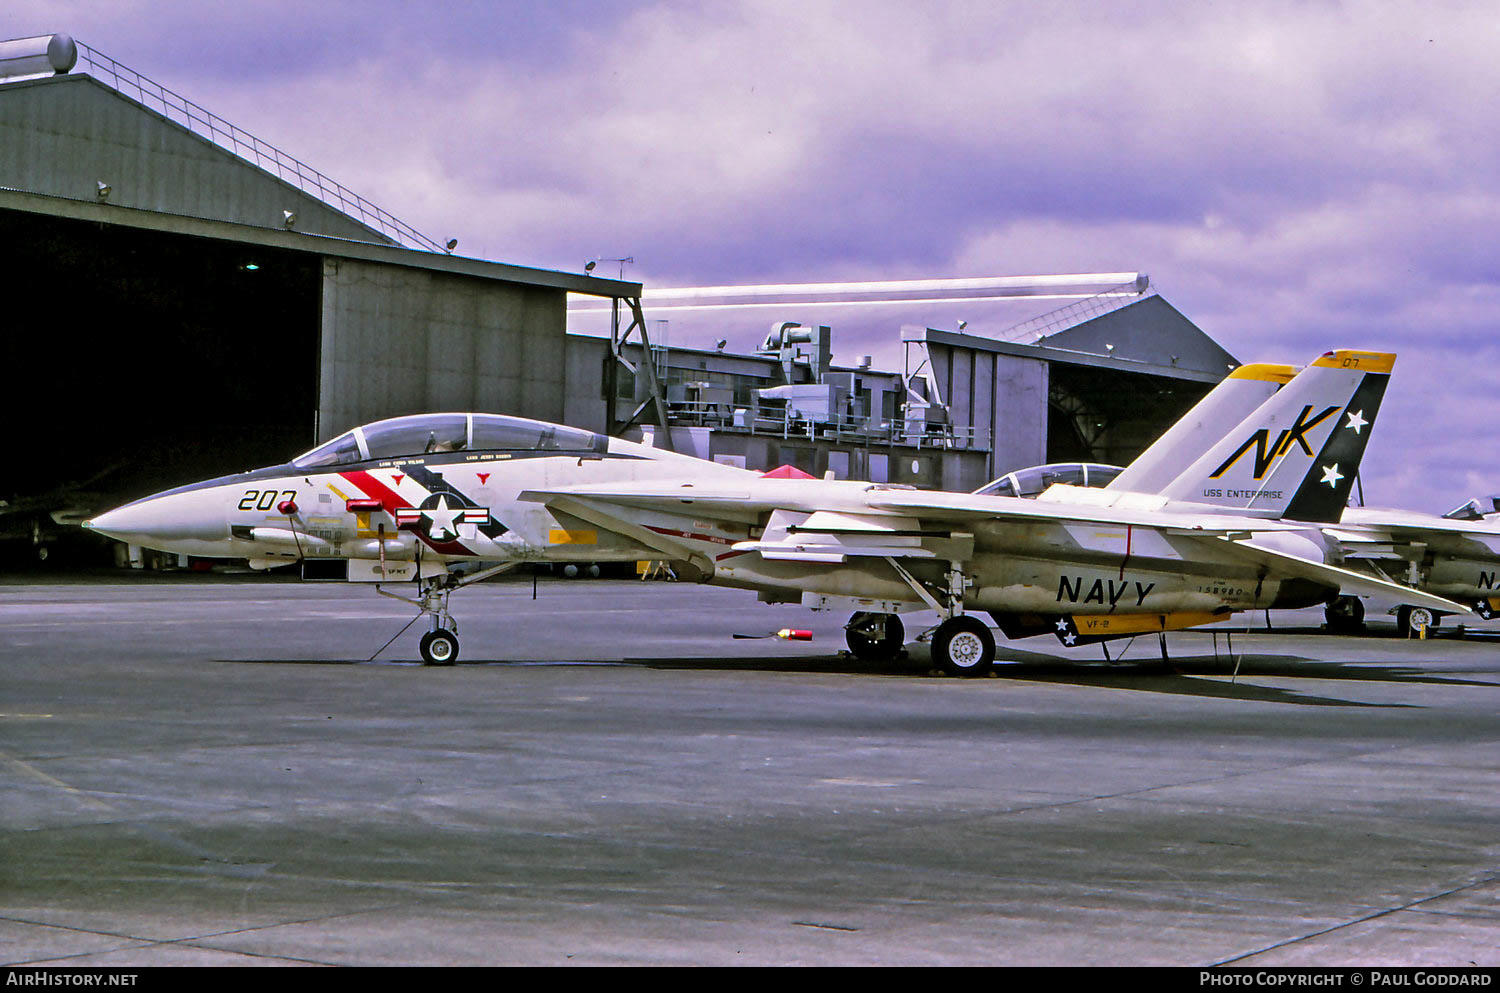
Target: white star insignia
{"x": 1070, "y": 639}
{"x": 1331, "y": 475}
{"x": 1062, "y": 624}
{"x": 441, "y": 517}
{"x": 1356, "y": 421}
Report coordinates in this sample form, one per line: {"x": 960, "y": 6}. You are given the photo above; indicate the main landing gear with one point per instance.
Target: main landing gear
{"x": 1415, "y": 622}
{"x": 1345, "y": 615}
{"x": 875, "y": 637}
{"x": 962, "y": 645}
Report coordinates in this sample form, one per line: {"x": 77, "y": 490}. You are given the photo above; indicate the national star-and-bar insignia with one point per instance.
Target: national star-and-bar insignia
{"x": 438, "y": 519}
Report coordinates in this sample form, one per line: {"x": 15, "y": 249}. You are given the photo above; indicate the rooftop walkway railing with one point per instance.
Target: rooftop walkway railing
{"x": 246, "y": 146}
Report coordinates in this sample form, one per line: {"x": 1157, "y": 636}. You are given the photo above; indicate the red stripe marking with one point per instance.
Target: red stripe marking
{"x": 389, "y": 498}
{"x": 393, "y": 502}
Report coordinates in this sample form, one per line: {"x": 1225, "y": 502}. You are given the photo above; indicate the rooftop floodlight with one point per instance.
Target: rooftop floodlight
{"x": 103, "y": 191}
{"x": 962, "y": 325}
{"x": 452, "y": 244}
{"x": 589, "y": 265}
{"x": 289, "y": 218}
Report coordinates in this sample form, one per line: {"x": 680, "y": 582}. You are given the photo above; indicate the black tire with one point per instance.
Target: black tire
{"x": 439, "y": 648}
{"x": 863, "y": 646}
{"x": 1345, "y": 615}
{"x": 963, "y": 646}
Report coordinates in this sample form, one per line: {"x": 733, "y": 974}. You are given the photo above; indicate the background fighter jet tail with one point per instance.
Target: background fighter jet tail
{"x": 1297, "y": 454}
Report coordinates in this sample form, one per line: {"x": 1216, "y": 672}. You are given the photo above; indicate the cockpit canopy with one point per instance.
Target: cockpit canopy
{"x": 1033, "y": 482}
{"x": 422, "y": 434}
{"x": 1476, "y": 509}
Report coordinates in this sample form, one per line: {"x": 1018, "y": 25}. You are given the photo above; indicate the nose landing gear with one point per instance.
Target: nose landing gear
{"x": 439, "y": 646}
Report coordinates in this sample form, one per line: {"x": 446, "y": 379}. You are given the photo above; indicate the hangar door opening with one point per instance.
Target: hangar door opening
{"x": 1109, "y": 415}
{"x": 141, "y": 360}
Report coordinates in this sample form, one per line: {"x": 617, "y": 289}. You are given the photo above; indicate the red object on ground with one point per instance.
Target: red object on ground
{"x": 788, "y": 472}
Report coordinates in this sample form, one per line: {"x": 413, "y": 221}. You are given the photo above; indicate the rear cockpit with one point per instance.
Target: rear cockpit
{"x": 1033, "y": 482}
{"x": 1477, "y": 509}
{"x": 424, "y": 434}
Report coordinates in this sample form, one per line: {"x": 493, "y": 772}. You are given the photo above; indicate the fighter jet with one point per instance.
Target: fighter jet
{"x": 444, "y": 500}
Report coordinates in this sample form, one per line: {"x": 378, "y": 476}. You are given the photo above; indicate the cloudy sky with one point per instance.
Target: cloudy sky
{"x": 1294, "y": 177}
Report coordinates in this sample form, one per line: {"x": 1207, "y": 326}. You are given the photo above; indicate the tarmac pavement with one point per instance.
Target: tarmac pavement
{"x": 214, "y": 771}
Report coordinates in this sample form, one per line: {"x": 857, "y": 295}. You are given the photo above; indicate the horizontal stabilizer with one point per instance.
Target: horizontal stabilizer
{"x": 1345, "y": 580}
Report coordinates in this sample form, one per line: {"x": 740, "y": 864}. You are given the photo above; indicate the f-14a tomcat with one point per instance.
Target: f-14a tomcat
{"x": 442, "y": 500}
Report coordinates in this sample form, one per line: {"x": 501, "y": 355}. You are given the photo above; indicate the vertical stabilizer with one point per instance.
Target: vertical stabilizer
{"x": 1297, "y": 454}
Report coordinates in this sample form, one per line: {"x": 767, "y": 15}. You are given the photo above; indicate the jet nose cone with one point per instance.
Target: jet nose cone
{"x": 184, "y": 522}
{"x": 124, "y": 522}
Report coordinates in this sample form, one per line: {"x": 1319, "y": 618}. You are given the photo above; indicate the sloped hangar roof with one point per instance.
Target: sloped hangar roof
{"x": 1149, "y": 330}
{"x": 64, "y": 135}
{"x": 1147, "y": 336}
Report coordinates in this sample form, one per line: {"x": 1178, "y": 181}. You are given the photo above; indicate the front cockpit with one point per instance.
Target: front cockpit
{"x": 425, "y": 434}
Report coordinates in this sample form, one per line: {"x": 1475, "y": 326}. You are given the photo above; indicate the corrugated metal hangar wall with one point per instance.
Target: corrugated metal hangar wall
{"x": 480, "y": 345}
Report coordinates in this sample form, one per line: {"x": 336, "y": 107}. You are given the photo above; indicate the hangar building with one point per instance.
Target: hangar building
{"x": 186, "y": 300}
